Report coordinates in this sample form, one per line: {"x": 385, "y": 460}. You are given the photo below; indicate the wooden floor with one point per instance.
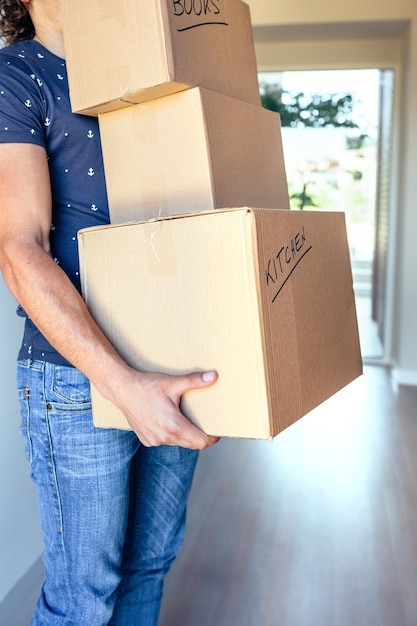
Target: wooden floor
{"x": 318, "y": 528}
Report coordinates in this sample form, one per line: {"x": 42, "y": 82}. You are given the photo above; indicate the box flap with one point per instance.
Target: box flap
{"x": 180, "y": 298}
{"x": 91, "y": 229}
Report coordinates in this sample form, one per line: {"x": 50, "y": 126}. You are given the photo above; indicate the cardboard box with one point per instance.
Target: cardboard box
{"x": 193, "y": 151}
{"x": 265, "y": 297}
{"x": 121, "y": 52}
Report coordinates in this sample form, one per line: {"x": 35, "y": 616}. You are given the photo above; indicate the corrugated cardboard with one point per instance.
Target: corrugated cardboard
{"x": 189, "y": 152}
{"x": 121, "y": 52}
{"x": 264, "y": 297}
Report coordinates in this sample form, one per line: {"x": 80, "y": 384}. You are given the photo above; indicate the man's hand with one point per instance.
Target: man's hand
{"x": 150, "y": 402}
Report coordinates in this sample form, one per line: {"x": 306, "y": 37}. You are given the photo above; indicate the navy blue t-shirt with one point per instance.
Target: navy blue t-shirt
{"x": 35, "y": 108}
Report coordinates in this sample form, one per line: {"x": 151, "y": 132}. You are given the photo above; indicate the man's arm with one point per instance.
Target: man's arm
{"x": 150, "y": 402}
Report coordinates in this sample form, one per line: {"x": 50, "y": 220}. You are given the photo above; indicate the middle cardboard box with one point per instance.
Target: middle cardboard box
{"x": 193, "y": 151}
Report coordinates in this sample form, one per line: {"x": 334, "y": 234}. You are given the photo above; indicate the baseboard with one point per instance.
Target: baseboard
{"x": 17, "y": 607}
{"x": 404, "y": 377}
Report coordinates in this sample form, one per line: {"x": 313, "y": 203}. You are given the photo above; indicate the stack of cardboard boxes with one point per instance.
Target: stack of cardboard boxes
{"x": 190, "y": 275}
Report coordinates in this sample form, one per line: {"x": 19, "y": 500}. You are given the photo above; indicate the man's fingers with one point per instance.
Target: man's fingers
{"x": 196, "y": 380}
{"x": 209, "y": 377}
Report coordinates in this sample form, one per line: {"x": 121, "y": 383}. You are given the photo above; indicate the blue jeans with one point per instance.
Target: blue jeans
{"x": 112, "y": 511}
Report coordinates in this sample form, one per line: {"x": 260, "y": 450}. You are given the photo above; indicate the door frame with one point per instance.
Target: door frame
{"x": 350, "y": 54}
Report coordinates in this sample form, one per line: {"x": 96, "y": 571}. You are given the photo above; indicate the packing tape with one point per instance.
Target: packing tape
{"x": 161, "y": 252}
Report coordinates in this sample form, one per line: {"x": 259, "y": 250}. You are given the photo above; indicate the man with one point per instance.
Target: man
{"x": 112, "y": 503}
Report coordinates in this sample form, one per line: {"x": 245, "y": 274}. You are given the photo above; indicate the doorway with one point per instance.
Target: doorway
{"x": 337, "y": 139}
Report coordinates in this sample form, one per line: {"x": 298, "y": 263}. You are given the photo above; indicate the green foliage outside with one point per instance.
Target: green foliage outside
{"x": 317, "y": 112}
{"x": 302, "y": 199}
{"x": 321, "y": 111}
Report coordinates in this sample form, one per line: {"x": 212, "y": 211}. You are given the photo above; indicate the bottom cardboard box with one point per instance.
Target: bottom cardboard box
{"x": 263, "y": 296}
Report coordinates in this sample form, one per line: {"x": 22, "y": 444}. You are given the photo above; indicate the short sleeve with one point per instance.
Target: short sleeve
{"x": 22, "y": 105}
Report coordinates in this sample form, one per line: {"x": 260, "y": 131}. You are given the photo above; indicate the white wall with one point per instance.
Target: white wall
{"x": 298, "y": 34}
{"x": 20, "y": 536}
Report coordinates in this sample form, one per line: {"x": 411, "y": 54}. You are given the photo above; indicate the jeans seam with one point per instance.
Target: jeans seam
{"x": 51, "y": 456}
{"x": 128, "y": 561}
{"x": 57, "y": 493}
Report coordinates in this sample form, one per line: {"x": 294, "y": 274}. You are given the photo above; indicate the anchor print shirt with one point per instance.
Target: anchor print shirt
{"x": 35, "y": 108}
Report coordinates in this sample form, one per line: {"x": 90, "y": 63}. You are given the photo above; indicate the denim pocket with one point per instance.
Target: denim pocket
{"x": 70, "y": 385}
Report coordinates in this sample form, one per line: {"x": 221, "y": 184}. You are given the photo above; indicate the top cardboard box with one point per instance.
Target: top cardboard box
{"x": 123, "y": 52}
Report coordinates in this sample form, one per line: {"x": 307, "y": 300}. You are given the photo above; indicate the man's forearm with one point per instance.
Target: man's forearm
{"x": 57, "y": 309}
